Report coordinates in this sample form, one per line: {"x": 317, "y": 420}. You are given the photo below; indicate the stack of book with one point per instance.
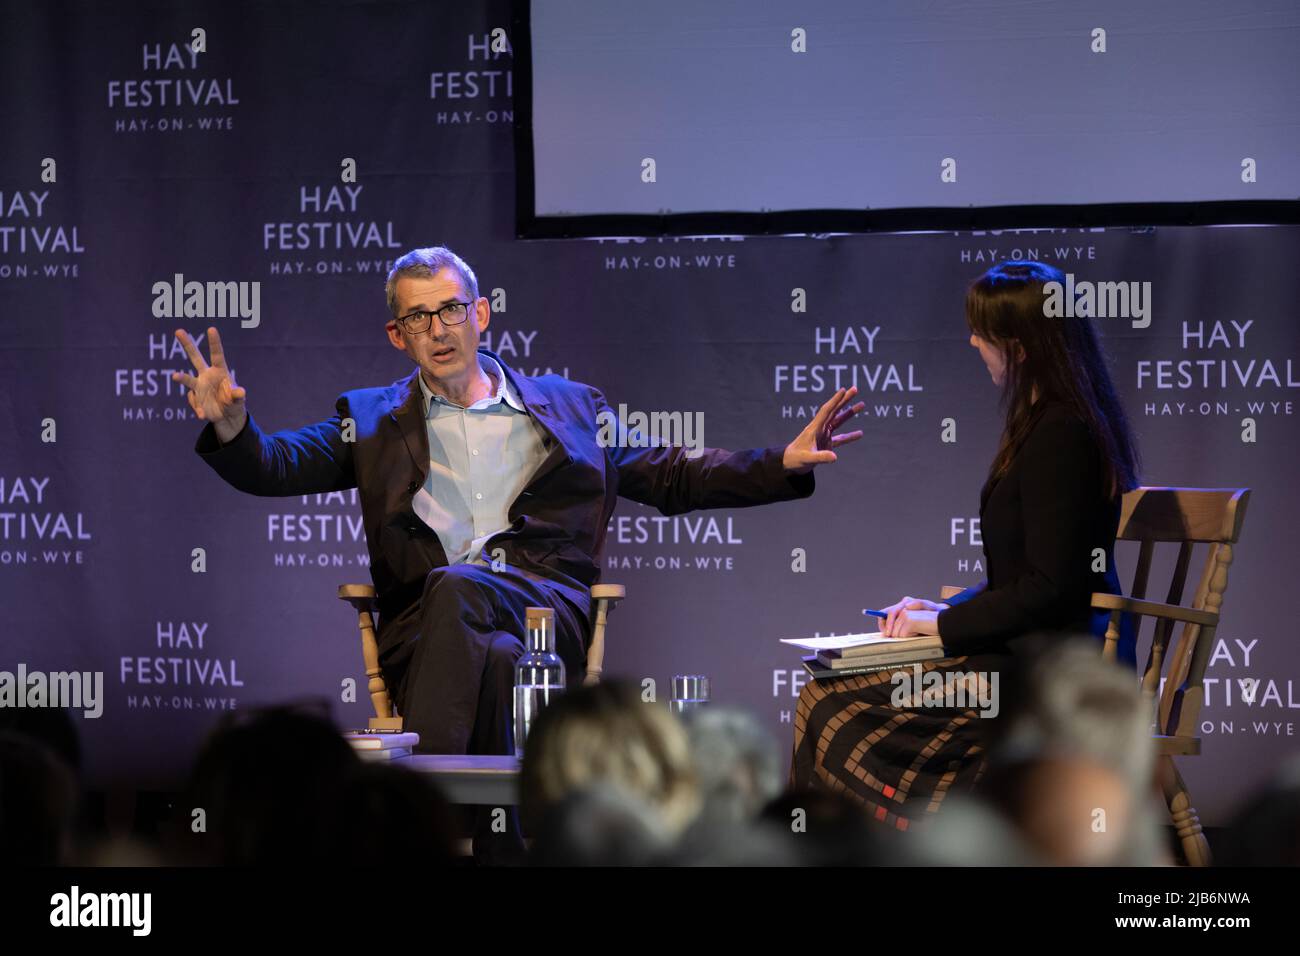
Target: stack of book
{"x": 850, "y": 654}
{"x": 382, "y": 745}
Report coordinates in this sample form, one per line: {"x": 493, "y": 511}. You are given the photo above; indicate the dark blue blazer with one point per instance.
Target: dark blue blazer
{"x": 558, "y": 522}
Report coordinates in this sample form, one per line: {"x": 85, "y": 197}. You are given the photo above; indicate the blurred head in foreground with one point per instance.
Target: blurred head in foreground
{"x": 737, "y": 764}
{"x": 737, "y": 768}
{"x": 1266, "y": 830}
{"x": 261, "y": 789}
{"x": 602, "y": 739}
{"x": 38, "y": 802}
{"x": 601, "y": 825}
{"x": 386, "y": 815}
{"x": 1069, "y": 780}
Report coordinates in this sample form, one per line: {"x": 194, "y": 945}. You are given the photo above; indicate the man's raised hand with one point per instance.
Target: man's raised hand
{"x": 212, "y": 391}
{"x": 813, "y": 445}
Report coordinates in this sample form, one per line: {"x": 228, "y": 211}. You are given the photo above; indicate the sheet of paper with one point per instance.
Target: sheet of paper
{"x": 839, "y": 642}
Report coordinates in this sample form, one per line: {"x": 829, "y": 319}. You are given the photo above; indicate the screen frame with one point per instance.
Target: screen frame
{"x": 529, "y": 225}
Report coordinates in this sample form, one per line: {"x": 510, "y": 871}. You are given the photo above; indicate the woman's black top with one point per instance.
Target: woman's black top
{"x": 1043, "y": 523}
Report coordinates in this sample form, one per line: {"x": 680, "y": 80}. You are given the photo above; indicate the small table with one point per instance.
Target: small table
{"x": 471, "y": 778}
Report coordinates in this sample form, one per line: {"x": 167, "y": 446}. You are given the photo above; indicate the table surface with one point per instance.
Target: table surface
{"x": 492, "y": 765}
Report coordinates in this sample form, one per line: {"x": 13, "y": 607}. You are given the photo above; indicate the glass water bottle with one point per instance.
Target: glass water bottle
{"x": 539, "y": 674}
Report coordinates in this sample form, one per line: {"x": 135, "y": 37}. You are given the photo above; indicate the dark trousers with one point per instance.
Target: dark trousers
{"x": 456, "y": 684}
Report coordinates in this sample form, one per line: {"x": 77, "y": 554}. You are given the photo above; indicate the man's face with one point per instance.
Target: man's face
{"x": 445, "y": 354}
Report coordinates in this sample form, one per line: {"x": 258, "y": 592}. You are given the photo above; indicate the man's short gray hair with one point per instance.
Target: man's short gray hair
{"x": 424, "y": 264}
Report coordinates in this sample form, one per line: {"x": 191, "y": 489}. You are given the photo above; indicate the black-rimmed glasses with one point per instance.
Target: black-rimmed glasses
{"x": 453, "y": 313}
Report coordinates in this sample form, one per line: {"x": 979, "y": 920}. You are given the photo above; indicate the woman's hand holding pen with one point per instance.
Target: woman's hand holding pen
{"x": 911, "y": 617}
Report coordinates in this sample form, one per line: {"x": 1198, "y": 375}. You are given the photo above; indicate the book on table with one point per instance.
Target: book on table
{"x": 819, "y": 671}
{"x": 393, "y": 753}
{"x": 371, "y": 740}
{"x": 856, "y": 651}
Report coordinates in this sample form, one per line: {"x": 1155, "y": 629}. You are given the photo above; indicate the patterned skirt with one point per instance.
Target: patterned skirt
{"x": 852, "y": 737}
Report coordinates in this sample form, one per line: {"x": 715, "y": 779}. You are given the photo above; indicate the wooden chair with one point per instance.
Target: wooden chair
{"x": 604, "y": 598}
{"x": 1186, "y": 517}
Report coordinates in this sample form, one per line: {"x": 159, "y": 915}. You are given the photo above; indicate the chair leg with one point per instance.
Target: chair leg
{"x": 596, "y": 652}
{"x": 1187, "y": 824}
{"x": 386, "y": 716}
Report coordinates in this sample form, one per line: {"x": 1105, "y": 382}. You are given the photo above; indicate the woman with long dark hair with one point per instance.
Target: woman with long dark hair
{"x": 1049, "y": 512}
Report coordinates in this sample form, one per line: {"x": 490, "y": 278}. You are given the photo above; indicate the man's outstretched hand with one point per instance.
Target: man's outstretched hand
{"x": 212, "y": 392}
{"x": 813, "y": 445}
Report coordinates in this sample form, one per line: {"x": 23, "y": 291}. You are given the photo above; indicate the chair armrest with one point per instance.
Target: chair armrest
{"x": 1117, "y": 602}
{"x": 604, "y": 598}
{"x": 360, "y": 596}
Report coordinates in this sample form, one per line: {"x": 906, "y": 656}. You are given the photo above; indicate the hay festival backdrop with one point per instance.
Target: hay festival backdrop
{"x": 171, "y": 166}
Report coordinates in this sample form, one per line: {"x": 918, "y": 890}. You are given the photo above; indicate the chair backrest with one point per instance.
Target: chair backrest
{"x": 1186, "y": 517}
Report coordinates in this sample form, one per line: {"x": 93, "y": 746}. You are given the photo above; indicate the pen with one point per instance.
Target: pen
{"x": 874, "y": 612}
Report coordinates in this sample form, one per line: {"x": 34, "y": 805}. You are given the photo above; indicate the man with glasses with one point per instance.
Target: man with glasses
{"x": 483, "y": 491}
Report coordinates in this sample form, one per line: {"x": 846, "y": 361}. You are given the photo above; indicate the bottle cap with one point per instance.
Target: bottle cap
{"x": 534, "y": 616}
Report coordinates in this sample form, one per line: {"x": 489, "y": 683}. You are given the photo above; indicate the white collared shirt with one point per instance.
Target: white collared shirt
{"x": 480, "y": 459}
